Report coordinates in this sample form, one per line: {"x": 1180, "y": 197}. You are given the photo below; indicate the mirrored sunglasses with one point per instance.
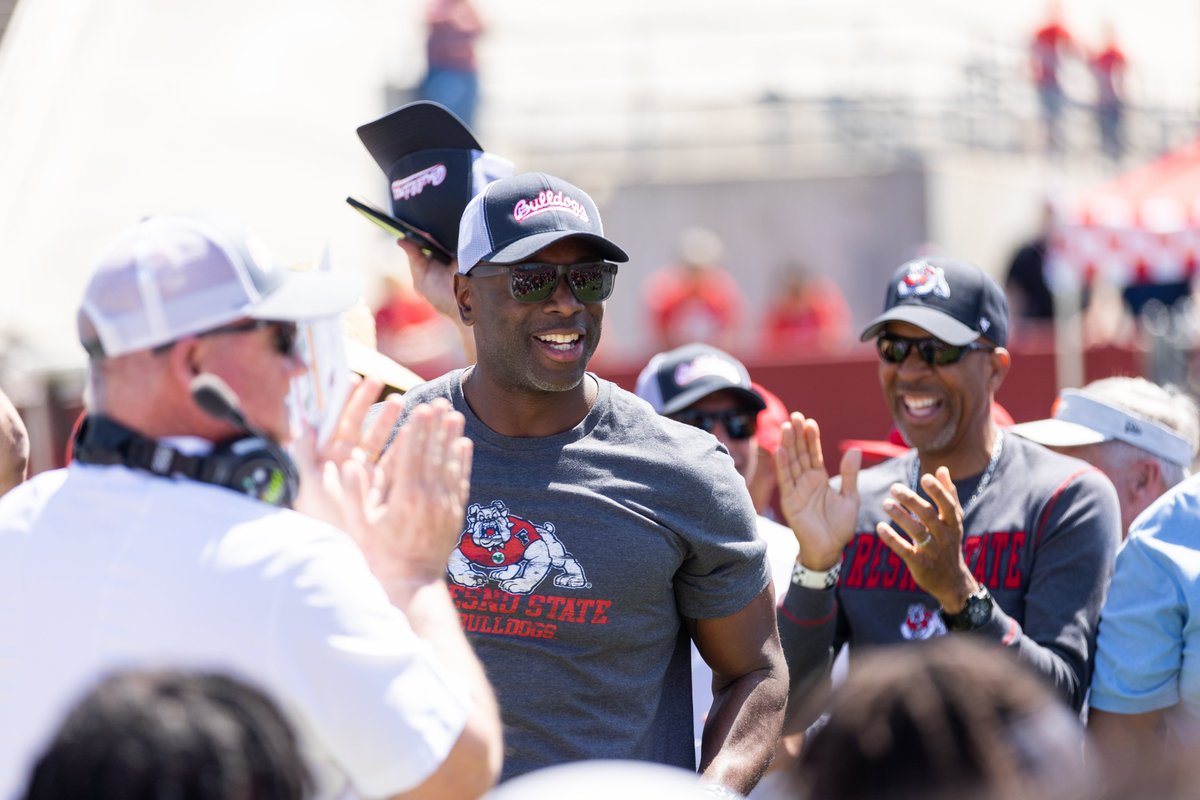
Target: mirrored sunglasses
{"x": 934, "y": 352}
{"x": 533, "y": 282}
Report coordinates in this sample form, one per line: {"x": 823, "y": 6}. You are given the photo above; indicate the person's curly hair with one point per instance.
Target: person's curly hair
{"x": 948, "y": 718}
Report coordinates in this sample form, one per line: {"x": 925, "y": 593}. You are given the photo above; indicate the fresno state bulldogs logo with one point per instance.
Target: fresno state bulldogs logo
{"x": 922, "y": 623}
{"x": 512, "y": 552}
{"x": 923, "y": 279}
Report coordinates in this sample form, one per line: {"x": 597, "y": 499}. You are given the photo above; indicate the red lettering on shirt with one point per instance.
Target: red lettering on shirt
{"x": 864, "y": 545}
{"x": 1012, "y": 576}
{"x": 601, "y": 615}
{"x": 484, "y": 599}
{"x": 873, "y": 572}
{"x": 996, "y": 545}
{"x": 894, "y": 567}
{"x": 507, "y": 626}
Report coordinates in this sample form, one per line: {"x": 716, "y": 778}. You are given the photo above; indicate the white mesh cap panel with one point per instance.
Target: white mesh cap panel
{"x": 474, "y": 237}
{"x": 648, "y": 386}
{"x": 164, "y": 279}
{"x": 488, "y": 167}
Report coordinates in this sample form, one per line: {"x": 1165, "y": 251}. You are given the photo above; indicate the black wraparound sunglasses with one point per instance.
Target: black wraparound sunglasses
{"x": 283, "y": 334}
{"x": 934, "y": 352}
{"x": 533, "y": 282}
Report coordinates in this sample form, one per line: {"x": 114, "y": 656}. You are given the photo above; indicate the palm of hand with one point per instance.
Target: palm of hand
{"x": 821, "y": 517}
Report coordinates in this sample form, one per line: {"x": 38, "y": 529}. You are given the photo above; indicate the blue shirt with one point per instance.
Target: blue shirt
{"x": 1148, "y": 647}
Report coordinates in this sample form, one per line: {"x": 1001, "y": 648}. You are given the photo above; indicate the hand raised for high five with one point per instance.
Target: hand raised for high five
{"x": 403, "y": 508}
{"x": 821, "y": 517}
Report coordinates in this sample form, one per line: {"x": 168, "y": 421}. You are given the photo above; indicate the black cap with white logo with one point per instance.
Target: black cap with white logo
{"x": 955, "y": 301}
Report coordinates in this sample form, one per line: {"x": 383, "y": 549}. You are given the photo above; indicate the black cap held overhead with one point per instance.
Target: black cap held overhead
{"x": 953, "y": 300}
{"x": 434, "y": 166}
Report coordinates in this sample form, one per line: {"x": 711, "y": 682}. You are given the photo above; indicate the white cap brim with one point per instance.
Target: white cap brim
{"x": 308, "y": 295}
{"x": 1058, "y": 433}
{"x": 1081, "y": 419}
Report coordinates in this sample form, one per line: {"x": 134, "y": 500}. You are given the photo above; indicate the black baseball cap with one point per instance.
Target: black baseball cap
{"x": 513, "y": 218}
{"x": 434, "y": 166}
{"x": 674, "y": 380}
{"x": 955, "y": 301}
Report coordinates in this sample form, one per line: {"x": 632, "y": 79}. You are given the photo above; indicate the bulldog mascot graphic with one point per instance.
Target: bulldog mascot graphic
{"x": 512, "y": 552}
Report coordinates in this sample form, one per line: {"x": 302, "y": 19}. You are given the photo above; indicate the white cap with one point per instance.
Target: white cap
{"x": 1080, "y": 418}
{"x": 175, "y": 276}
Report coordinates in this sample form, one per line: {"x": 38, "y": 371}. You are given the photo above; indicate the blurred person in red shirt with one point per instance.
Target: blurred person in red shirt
{"x": 763, "y": 480}
{"x": 1108, "y": 68}
{"x": 1051, "y": 43}
{"x": 695, "y": 300}
{"x": 807, "y": 311}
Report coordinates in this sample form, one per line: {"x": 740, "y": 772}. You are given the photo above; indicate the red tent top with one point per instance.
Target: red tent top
{"x": 1163, "y": 195}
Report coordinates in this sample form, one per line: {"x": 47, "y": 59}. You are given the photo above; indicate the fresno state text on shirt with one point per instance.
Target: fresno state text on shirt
{"x": 537, "y": 616}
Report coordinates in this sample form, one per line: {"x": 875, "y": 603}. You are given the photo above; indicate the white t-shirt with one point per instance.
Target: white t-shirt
{"x": 103, "y": 567}
{"x": 782, "y": 549}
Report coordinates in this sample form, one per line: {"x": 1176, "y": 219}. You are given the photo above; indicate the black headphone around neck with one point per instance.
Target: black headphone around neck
{"x": 250, "y": 465}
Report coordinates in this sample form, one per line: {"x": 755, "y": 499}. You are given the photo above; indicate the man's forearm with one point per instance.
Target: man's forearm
{"x": 743, "y": 728}
{"x": 477, "y": 756}
{"x": 807, "y": 630}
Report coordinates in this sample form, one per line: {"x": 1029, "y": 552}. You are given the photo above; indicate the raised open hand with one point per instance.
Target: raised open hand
{"x": 417, "y": 502}
{"x": 821, "y": 517}
{"x": 333, "y": 479}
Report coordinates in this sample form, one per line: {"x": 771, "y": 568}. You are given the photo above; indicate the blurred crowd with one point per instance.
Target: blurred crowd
{"x": 303, "y": 549}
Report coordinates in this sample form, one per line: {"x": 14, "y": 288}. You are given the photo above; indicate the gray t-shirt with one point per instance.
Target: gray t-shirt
{"x": 581, "y": 555}
{"x": 1041, "y": 538}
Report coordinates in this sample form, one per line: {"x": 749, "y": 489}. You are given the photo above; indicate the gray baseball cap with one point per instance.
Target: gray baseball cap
{"x": 174, "y": 276}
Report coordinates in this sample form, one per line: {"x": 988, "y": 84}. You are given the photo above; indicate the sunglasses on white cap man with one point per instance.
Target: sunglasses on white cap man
{"x": 1082, "y": 419}
{"x": 174, "y": 276}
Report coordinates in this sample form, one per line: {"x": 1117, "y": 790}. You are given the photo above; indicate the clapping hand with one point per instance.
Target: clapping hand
{"x": 405, "y": 507}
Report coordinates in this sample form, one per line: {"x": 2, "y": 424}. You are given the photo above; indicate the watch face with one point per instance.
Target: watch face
{"x": 979, "y": 610}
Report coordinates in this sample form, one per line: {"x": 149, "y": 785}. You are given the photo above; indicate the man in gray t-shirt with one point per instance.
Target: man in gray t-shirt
{"x": 973, "y": 530}
{"x": 600, "y": 537}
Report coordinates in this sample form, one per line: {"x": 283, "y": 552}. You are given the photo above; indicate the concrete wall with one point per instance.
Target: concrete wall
{"x": 854, "y": 228}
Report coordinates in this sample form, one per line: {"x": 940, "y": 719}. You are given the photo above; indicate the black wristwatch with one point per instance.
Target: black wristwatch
{"x": 974, "y": 615}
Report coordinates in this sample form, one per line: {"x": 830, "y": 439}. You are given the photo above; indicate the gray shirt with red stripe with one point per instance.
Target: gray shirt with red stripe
{"x": 1041, "y": 537}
